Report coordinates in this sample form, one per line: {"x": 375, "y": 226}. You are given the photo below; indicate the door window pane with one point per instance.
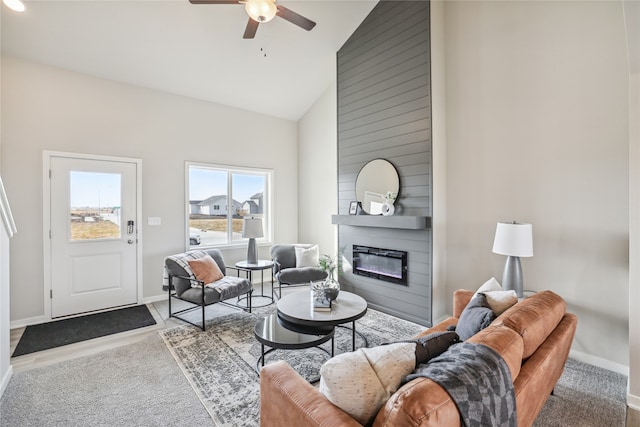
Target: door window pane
{"x": 95, "y": 200}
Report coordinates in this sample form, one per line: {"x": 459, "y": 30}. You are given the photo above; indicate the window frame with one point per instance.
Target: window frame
{"x": 230, "y": 171}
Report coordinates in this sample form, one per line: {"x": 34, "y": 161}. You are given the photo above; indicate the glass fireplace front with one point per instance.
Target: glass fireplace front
{"x": 382, "y": 264}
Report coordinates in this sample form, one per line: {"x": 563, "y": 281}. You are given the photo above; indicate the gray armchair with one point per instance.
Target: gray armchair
{"x": 181, "y": 283}
{"x": 284, "y": 258}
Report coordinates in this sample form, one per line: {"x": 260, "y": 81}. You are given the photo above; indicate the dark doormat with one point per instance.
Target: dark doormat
{"x": 68, "y": 331}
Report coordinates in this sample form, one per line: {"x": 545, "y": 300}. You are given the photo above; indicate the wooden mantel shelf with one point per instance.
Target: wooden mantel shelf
{"x": 392, "y": 221}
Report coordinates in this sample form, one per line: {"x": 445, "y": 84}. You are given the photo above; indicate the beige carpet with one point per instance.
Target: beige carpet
{"x": 142, "y": 385}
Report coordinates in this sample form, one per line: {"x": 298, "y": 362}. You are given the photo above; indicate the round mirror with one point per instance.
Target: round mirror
{"x": 374, "y": 181}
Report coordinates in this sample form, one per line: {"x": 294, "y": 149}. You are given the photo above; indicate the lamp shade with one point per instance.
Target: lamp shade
{"x": 252, "y": 228}
{"x": 261, "y": 10}
{"x": 513, "y": 239}
{"x": 16, "y": 5}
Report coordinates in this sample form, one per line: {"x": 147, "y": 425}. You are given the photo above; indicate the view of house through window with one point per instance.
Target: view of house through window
{"x": 219, "y": 198}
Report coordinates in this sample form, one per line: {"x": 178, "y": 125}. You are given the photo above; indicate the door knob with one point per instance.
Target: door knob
{"x": 130, "y": 242}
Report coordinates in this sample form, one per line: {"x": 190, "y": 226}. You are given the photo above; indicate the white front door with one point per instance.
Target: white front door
{"x": 93, "y": 234}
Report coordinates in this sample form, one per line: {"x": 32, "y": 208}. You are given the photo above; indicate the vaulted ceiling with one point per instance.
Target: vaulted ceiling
{"x": 190, "y": 50}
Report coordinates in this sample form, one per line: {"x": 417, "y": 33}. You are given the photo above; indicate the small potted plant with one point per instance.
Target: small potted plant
{"x": 331, "y": 286}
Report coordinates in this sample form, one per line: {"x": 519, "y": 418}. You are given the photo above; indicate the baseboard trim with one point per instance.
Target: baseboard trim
{"x": 151, "y": 300}
{"x": 442, "y": 318}
{"x": 23, "y": 323}
{"x": 633, "y": 401}
{"x": 5, "y": 380}
{"x": 599, "y": 362}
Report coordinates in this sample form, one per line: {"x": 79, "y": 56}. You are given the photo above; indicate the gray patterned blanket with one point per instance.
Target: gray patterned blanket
{"x": 478, "y": 381}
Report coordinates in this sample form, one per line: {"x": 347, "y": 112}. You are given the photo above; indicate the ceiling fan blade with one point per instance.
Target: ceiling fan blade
{"x": 250, "y": 31}
{"x": 215, "y": 1}
{"x": 295, "y": 18}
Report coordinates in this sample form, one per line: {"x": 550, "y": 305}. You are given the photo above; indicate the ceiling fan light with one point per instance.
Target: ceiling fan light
{"x": 16, "y": 5}
{"x": 261, "y": 10}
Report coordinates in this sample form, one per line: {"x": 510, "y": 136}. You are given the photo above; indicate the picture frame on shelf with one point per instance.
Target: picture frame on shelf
{"x": 353, "y": 208}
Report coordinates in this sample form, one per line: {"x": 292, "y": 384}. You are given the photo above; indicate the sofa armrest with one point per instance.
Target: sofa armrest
{"x": 285, "y": 395}
{"x": 541, "y": 371}
{"x": 461, "y": 299}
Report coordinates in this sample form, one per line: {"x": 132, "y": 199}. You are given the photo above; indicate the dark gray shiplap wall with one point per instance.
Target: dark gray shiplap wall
{"x": 384, "y": 111}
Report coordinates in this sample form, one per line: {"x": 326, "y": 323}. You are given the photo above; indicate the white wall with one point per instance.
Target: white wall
{"x": 5, "y": 353}
{"x": 632, "y": 26}
{"x": 5, "y": 322}
{"x": 318, "y": 173}
{"x": 45, "y": 108}
{"x": 537, "y": 131}
{"x": 634, "y": 234}
{"x": 440, "y": 296}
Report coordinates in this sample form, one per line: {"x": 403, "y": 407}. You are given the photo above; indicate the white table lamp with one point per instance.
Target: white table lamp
{"x": 252, "y": 229}
{"x": 514, "y": 240}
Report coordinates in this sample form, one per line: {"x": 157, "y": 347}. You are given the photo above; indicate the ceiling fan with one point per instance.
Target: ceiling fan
{"x": 263, "y": 11}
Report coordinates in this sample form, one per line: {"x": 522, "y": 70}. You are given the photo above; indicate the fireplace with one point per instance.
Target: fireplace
{"x": 382, "y": 264}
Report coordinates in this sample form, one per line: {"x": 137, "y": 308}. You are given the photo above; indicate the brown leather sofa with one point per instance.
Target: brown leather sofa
{"x": 534, "y": 338}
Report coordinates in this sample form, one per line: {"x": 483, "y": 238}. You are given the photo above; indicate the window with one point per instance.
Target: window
{"x": 94, "y": 205}
{"x": 219, "y": 197}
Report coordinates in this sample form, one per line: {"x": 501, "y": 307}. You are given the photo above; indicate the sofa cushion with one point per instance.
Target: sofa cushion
{"x": 534, "y": 318}
{"x": 504, "y": 341}
{"x": 360, "y": 382}
{"x": 307, "y": 257}
{"x": 206, "y": 269}
{"x": 475, "y": 317}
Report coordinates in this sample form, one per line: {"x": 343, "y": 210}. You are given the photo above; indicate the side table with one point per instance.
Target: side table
{"x": 261, "y": 266}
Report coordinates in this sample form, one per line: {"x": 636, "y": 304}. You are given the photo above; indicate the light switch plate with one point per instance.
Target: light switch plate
{"x": 154, "y": 220}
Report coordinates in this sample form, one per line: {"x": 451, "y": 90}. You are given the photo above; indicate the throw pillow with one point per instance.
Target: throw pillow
{"x": 432, "y": 345}
{"x": 206, "y": 269}
{"x": 307, "y": 257}
{"x": 500, "y": 301}
{"x": 490, "y": 285}
{"x": 476, "y": 316}
{"x": 360, "y": 382}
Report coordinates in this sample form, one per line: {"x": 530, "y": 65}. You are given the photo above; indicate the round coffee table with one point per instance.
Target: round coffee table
{"x": 272, "y": 332}
{"x": 296, "y": 309}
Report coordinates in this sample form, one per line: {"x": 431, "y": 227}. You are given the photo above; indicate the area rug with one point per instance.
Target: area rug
{"x": 220, "y": 363}
{"x": 69, "y": 331}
